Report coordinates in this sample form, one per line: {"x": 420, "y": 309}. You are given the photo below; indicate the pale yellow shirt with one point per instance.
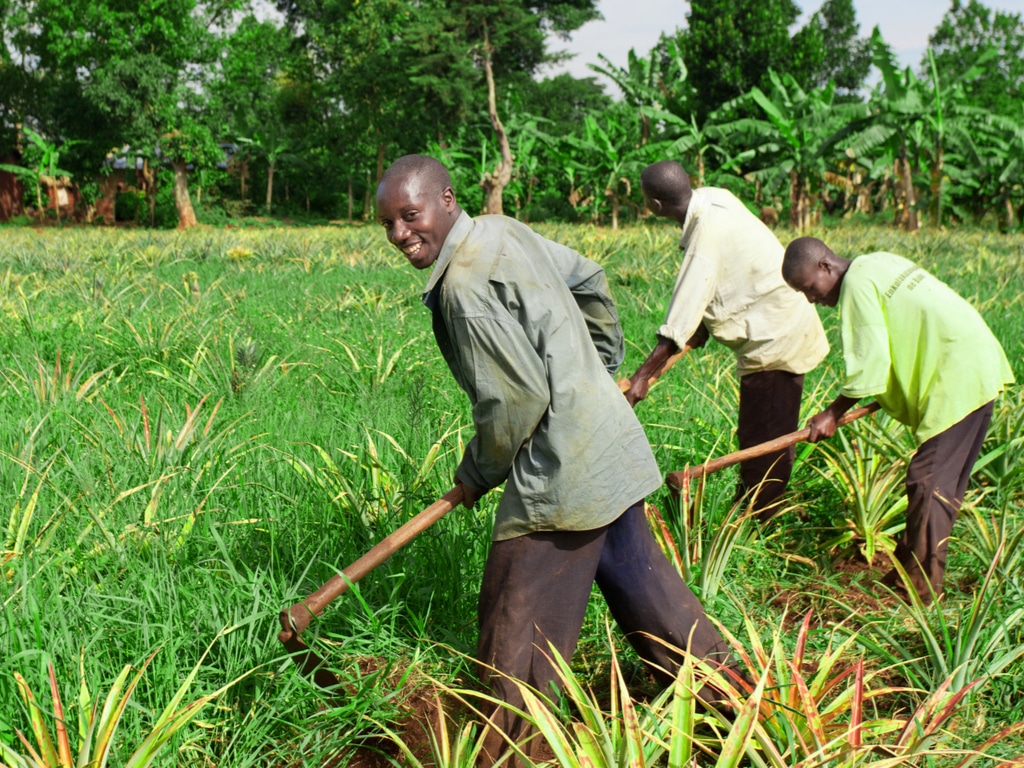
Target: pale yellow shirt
{"x": 731, "y": 279}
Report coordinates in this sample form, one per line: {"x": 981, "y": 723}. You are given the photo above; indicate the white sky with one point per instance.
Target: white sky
{"x": 637, "y": 24}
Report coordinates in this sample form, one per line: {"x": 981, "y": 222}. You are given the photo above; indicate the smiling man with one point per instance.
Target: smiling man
{"x": 927, "y": 356}
{"x": 530, "y": 333}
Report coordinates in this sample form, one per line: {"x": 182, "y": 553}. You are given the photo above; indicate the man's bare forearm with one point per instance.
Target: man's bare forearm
{"x": 824, "y": 424}
{"x": 656, "y": 360}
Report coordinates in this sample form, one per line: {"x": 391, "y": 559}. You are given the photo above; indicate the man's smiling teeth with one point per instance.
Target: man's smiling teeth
{"x": 412, "y": 250}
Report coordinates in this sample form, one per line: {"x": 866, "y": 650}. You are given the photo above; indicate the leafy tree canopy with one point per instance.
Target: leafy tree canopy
{"x": 729, "y": 46}
{"x": 966, "y": 32}
{"x": 829, "y": 48}
{"x": 563, "y": 100}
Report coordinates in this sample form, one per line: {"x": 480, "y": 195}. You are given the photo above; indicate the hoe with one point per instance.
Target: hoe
{"x": 297, "y": 617}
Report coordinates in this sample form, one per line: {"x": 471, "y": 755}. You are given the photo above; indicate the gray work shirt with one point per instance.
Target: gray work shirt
{"x": 530, "y": 333}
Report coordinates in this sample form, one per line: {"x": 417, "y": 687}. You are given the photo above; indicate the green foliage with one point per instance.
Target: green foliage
{"x": 200, "y": 428}
{"x": 970, "y": 31}
{"x": 97, "y": 726}
{"x": 788, "y": 707}
{"x": 866, "y": 464}
{"x": 729, "y": 47}
{"x": 831, "y": 51}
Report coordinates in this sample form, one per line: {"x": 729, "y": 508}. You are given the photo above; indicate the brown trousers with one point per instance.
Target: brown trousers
{"x": 769, "y": 408}
{"x": 535, "y": 592}
{"x": 937, "y": 480}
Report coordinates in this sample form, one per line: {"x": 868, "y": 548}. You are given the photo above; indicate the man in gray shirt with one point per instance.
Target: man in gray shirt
{"x": 530, "y": 333}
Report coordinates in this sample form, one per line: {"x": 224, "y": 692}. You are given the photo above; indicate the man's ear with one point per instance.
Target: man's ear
{"x": 448, "y": 197}
{"x": 655, "y": 206}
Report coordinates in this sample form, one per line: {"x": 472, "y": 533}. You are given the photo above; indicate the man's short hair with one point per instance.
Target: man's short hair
{"x": 801, "y": 255}
{"x": 666, "y": 181}
{"x": 431, "y": 171}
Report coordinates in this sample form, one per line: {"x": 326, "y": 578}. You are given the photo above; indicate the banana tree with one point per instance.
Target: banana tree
{"x": 953, "y": 125}
{"x": 529, "y": 152}
{"x": 685, "y": 137}
{"x": 1001, "y": 149}
{"x": 46, "y": 166}
{"x": 896, "y": 108}
{"x": 273, "y": 147}
{"x": 652, "y": 82}
{"x": 792, "y": 136}
{"x": 607, "y": 156}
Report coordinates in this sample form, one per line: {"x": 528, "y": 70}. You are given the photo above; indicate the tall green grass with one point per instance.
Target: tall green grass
{"x": 198, "y": 429}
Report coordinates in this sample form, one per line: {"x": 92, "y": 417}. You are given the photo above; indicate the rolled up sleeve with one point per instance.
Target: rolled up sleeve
{"x": 694, "y": 290}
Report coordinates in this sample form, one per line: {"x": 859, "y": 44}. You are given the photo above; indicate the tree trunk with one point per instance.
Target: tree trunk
{"x": 805, "y": 205}
{"x": 494, "y": 182}
{"x": 350, "y": 201}
{"x": 529, "y": 198}
{"x": 909, "y": 198}
{"x": 615, "y": 208}
{"x": 270, "y": 186}
{"x": 794, "y": 201}
{"x": 182, "y": 201}
{"x": 864, "y": 204}
{"x": 149, "y": 187}
{"x": 936, "y": 205}
{"x": 1011, "y": 216}
{"x": 367, "y": 200}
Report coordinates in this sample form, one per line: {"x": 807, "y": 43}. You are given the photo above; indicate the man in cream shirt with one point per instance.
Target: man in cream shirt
{"x": 730, "y": 287}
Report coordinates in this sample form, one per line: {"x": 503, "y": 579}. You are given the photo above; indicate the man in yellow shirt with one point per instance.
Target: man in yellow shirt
{"x": 730, "y": 286}
{"x": 928, "y": 358}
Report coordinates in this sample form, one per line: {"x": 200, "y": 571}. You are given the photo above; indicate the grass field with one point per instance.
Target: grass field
{"x": 198, "y": 429}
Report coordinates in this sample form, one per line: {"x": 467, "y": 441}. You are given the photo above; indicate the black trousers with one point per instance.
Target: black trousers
{"x": 535, "y": 592}
{"x": 769, "y": 408}
{"x": 937, "y": 480}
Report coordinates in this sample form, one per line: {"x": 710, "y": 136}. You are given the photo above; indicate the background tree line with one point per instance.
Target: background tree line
{"x": 309, "y": 104}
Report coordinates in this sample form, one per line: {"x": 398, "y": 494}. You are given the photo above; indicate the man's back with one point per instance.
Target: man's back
{"x": 549, "y": 416}
{"x": 732, "y": 271}
{"x": 914, "y": 342}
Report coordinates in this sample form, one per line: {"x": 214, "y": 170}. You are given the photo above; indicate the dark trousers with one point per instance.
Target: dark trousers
{"x": 769, "y": 408}
{"x": 535, "y": 592}
{"x": 937, "y": 479}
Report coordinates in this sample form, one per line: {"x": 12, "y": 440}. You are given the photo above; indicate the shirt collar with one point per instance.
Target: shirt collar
{"x": 693, "y": 210}
{"x": 456, "y": 235}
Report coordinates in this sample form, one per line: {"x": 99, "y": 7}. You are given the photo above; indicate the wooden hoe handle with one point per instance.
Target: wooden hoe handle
{"x": 625, "y": 384}
{"x": 676, "y": 479}
{"x": 296, "y": 618}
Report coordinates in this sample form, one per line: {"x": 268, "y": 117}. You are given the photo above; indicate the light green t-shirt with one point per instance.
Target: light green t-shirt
{"x": 914, "y": 344}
